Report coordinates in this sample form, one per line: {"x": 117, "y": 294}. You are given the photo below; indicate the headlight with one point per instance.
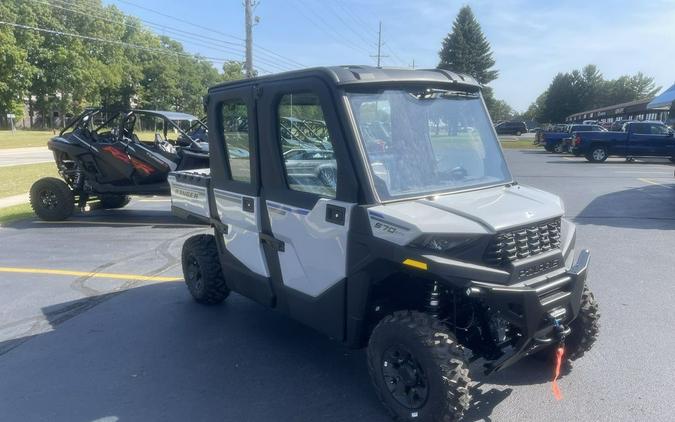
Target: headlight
{"x": 443, "y": 243}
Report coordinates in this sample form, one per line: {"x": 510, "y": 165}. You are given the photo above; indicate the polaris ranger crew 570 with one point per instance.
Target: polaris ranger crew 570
{"x": 376, "y": 206}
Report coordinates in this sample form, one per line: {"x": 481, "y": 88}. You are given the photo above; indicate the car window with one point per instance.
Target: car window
{"x": 640, "y": 128}
{"x": 659, "y": 129}
{"x": 309, "y": 163}
{"x": 234, "y": 114}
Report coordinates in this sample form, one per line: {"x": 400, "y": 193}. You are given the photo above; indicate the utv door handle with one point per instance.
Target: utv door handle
{"x": 247, "y": 204}
{"x": 335, "y": 214}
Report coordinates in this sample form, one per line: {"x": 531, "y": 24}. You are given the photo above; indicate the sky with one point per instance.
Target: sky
{"x": 532, "y": 40}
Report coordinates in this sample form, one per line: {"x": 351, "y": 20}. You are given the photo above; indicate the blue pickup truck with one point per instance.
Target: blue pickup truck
{"x": 555, "y": 141}
{"x": 637, "y": 139}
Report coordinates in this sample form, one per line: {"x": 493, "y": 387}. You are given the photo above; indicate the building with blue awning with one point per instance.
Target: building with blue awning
{"x": 664, "y": 101}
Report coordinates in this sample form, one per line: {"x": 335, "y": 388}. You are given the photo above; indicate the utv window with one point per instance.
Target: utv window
{"x": 309, "y": 162}
{"x": 234, "y": 114}
{"x": 427, "y": 141}
{"x": 149, "y": 129}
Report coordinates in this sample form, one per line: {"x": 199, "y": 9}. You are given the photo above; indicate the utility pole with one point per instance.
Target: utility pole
{"x": 248, "y": 66}
{"x": 379, "y": 46}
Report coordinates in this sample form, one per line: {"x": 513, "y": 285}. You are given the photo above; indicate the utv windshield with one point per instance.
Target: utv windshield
{"x": 427, "y": 141}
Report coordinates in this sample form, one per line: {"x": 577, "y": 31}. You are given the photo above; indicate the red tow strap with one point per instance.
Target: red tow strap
{"x": 560, "y": 351}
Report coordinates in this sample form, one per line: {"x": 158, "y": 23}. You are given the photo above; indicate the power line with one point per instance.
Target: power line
{"x": 122, "y": 43}
{"x": 351, "y": 28}
{"x": 327, "y": 27}
{"x": 362, "y": 24}
{"x": 191, "y": 36}
{"x": 379, "y": 46}
{"x": 270, "y": 52}
{"x": 194, "y": 38}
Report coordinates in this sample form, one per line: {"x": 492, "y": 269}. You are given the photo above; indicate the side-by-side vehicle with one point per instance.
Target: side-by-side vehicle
{"x": 422, "y": 247}
{"x": 105, "y": 156}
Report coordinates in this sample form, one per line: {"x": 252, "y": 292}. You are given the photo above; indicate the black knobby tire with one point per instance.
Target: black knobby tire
{"x": 112, "y": 201}
{"x": 548, "y": 148}
{"x": 202, "y": 271}
{"x": 51, "y": 199}
{"x": 597, "y": 154}
{"x": 585, "y": 328}
{"x": 435, "y": 381}
{"x": 559, "y": 148}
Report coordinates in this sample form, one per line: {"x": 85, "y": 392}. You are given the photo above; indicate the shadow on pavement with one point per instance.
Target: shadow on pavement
{"x": 151, "y": 353}
{"x": 647, "y": 207}
{"x": 111, "y": 218}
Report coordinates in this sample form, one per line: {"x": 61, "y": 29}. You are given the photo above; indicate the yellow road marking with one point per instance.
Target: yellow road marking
{"x": 88, "y": 274}
{"x": 652, "y": 182}
{"x": 118, "y": 223}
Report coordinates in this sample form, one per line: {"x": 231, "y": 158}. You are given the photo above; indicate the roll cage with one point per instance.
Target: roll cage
{"x": 127, "y": 122}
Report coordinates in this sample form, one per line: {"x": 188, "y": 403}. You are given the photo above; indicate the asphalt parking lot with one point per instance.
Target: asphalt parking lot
{"x": 96, "y": 325}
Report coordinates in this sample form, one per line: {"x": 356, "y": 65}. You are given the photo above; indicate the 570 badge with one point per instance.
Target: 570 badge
{"x": 385, "y": 227}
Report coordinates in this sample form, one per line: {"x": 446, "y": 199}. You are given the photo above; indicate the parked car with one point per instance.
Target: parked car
{"x": 511, "y": 128}
{"x": 567, "y": 142}
{"x": 638, "y": 139}
{"x": 443, "y": 262}
{"x": 617, "y": 126}
{"x": 539, "y": 134}
{"x": 554, "y": 141}
{"x": 105, "y": 156}
{"x": 302, "y": 164}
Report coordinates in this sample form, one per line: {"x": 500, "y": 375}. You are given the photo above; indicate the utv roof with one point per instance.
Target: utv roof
{"x": 352, "y": 75}
{"x": 170, "y": 115}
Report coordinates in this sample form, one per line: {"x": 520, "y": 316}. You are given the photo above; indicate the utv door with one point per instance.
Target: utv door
{"x": 308, "y": 211}
{"x": 236, "y": 190}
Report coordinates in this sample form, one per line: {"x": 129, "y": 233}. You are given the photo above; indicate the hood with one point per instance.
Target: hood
{"x": 473, "y": 212}
{"x": 500, "y": 208}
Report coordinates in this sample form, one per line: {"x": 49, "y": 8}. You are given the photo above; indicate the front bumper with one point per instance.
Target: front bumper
{"x": 534, "y": 309}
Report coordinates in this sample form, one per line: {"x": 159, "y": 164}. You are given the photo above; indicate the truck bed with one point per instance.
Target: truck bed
{"x": 189, "y": 194}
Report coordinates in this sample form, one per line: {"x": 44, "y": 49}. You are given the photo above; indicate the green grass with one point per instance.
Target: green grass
{"x": 18, "y": 179}
{"x": 25, "y": 138}
{"x": 519, "y": 144}
{"x": 15, "y": 212}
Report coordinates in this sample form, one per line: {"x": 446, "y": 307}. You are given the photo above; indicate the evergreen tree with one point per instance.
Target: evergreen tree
{"x": 466, "y": 50}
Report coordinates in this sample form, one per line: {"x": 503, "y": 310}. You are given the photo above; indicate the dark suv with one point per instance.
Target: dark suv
{"x": 511, "y": 128}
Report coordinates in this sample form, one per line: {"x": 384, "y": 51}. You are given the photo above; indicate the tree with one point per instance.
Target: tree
{"x": 125, "y": 65}
{"x": 466, "y": 50}
{"x": 233, "y": 70}
{"x": 578, "y": 91}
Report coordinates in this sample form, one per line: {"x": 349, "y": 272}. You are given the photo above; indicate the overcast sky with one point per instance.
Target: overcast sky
{"x": 532, "y": 40}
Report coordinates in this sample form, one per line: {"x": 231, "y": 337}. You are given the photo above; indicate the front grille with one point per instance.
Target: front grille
{"x": 522, "y": 242}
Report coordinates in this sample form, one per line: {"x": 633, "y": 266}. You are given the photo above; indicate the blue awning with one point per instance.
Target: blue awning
{"x": 663, "y": 101}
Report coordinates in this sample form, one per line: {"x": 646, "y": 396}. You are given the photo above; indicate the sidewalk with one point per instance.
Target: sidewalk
{"x": 10, "y": 201}
{"x": 20, "y": 156}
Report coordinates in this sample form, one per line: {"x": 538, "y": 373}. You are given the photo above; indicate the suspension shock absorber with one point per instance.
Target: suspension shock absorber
{"x": 434, "y": 300}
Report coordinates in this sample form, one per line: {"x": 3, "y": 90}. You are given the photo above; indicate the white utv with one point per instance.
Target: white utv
{"x": 419, "y": 244}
